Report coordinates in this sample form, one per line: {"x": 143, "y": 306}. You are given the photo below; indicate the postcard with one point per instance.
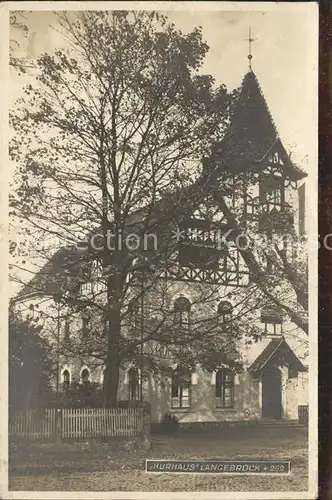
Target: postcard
{"x": 159, "y": 194}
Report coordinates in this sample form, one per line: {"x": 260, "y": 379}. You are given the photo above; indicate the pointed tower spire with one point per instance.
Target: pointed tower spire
{"x": 250, "y": 40}
{"x": 252, "y": 134}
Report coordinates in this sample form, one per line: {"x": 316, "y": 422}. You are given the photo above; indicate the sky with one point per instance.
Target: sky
{"x": 284, "y": 59}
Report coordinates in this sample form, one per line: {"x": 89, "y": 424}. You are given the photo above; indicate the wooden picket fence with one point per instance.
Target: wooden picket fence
{"x": 303, "y": 412}
{"x": 33, "y": 424}
{"x": 101, "y": 422}
{"x": 71, "y": 423}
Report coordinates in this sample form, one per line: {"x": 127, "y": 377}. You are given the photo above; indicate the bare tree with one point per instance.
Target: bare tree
{"x": 19, "y": 63}
{"x": 104, "y": 135}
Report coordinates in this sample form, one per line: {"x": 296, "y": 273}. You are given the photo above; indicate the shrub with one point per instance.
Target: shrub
{"x": 135, "y": 404}
{"x": 170, "y": 423}
{"x": 78, "y": 395}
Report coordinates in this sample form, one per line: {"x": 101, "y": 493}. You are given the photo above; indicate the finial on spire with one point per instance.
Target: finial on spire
{"x": 250, "y": 40}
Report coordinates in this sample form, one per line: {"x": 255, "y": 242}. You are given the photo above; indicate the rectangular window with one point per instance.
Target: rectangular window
{"x": 224, "y": 389}
{"x": 272, "y": 329}
{"x": 181, "y": 391}
{"x": 134, "y": 393}
{"x": 274, "y": 197}
{"x": 271, "y": 192}
{"x": 181, "y": 397}
{"x": 86, "y": 287}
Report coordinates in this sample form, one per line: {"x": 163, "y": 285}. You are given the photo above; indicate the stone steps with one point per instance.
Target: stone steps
{"x": 279, "y": 423}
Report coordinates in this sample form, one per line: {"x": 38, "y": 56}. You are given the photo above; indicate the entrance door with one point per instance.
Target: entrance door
{"x": 271, "y": 394}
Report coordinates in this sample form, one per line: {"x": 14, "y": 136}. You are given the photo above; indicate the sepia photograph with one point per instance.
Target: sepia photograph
{"x": 162, "y": 250}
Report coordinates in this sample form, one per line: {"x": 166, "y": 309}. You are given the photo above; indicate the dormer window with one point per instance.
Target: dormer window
{"x": 182, "y": 312}
{"x": 272, "y": 320}
{"x": 225, "y": 311}
{"x": 272, "y": 329}
{"x": 271, "y": 193}
{"x": 274, "y": 196}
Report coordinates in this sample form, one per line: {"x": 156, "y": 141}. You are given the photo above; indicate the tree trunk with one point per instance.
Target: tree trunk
{"x": 111, "y": 264}
{"x": 112, "y": 359}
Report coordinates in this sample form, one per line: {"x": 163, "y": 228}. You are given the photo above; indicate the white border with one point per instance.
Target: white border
{"x": 4, "y": 240}
{"x": 172, "y": 5}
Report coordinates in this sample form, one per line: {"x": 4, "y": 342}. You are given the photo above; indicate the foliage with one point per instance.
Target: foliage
{"x": 81, "y": 395}
{"x": 102, "y": 139}
{"x": 31, "y": 366}
{"x": 110, "y": 139}
{"x": 170, "y": 423}
{"x": 17, "y": 24}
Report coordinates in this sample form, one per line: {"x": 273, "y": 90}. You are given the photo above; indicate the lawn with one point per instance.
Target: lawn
{"x": 67, "y": 467}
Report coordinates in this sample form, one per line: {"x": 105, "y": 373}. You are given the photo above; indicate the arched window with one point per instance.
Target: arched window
{"x": 224, "y": 389}
{"x": 225, "y": 311}
{"x": 133, "y": 313}
{"x": 85, "y": 376}
{"x": 182, "y": 312}
{"x": 133, "y": 384}
{"x": 181, "y": 388}
{"x": 66, "y": 378}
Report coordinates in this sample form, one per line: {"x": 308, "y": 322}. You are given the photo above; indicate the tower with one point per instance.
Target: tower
{"x": 261, "y": 179}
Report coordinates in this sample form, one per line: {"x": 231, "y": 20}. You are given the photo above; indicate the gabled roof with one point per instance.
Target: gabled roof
{"x": 64, "y": 266}
{"x": 276, "y": 352}
{"x": 64, "y": 269}
{"x": 252, "y": 132}
{"x": 293, "y": 171}
{"x": 52, "y": 277}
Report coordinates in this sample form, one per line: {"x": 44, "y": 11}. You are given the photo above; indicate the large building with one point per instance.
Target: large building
{"x": 272, "y": 381}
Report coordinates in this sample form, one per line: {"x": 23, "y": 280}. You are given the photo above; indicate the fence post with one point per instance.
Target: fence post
{"x": 58, "y": 418}
{"x": 146, "y": 430}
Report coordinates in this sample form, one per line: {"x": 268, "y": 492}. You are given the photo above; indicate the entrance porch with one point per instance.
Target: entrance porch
{"x": 277, "y": 368}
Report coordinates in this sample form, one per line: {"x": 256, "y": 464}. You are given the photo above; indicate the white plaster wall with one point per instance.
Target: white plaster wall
{"x": 292, "y": 399}
{"x": 302, "y": 390}
{"x": 158, "y": 393}
{"x": 284, "y": 380}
